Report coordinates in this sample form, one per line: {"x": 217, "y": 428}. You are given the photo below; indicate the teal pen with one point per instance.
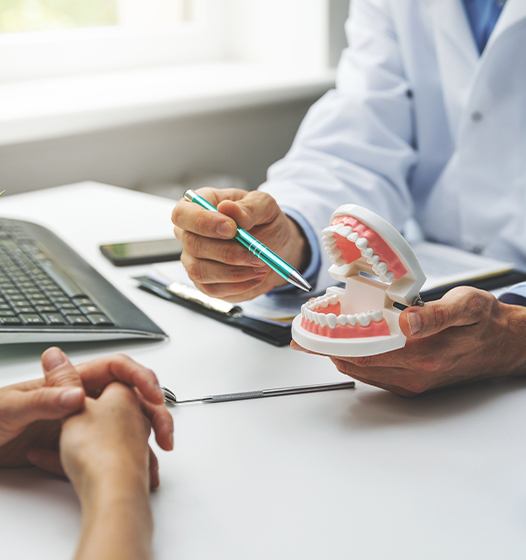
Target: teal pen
{"x": 258, "y": 249}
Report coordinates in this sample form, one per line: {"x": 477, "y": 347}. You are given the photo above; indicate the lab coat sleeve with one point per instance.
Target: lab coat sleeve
{"x": 356, "y": 143}
{"x": 516, "y": 295}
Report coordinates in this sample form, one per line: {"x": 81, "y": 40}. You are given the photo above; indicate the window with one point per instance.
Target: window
{"x": 40, "y": 15}
{"x": 56, "y": 37}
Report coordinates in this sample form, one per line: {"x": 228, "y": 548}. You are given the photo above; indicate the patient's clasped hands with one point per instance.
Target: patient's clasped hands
{"x": 34, "y": 413}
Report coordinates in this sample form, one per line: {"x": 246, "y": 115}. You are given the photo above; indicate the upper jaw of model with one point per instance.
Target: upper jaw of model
{"x": 378, "y": 268}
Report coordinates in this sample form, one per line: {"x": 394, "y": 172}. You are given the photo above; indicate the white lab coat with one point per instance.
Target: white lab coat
{"x": 420, "y": 126}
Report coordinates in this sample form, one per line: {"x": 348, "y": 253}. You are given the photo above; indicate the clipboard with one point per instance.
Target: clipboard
{"x": 280, "y": 335}
{"x": 277, "y": 335}
{"x": 489, "y": 283}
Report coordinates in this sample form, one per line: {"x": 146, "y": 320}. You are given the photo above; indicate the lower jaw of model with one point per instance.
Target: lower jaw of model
{"x": 352, "y": 321}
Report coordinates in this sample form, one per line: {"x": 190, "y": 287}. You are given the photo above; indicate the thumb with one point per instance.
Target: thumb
{"x": 458, "y": 308}
{"x": 58, "y": 370}
{"x": 47, "y": 403}
{"x": 254, "y": 209}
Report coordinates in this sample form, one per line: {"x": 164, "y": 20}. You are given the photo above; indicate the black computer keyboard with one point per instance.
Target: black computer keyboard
{"x": 46, "y": 288}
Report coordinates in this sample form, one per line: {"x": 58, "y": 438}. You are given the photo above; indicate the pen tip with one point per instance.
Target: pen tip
{"x": 300, "y": 282}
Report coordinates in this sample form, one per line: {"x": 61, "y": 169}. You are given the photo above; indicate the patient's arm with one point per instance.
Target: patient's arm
{"x": 104, "y": 452}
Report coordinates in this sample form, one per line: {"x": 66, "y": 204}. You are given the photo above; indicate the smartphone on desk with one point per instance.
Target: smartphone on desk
{"x": 142, "y": 252}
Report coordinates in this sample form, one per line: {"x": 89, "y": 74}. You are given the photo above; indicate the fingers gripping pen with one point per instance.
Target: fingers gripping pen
{"x": 258, "y": 249}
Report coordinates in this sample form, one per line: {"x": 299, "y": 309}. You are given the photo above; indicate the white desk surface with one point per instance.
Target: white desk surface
{"x": 360, "y": 474}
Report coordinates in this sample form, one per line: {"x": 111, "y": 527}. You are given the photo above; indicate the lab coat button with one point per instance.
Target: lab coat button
{"x": 476, "y": 116}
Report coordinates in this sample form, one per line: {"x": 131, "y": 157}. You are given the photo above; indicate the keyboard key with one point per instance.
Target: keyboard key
{"x": 32, "y": 319}
{"x": 54, "y": 319}
{"x": 23, "y": 309}
{"x": 99, "y": 320}
{"x": 10, "y": 321}
{"x": 77, "y": 320}
{"x": 87, "y": 309}
{"x": 82, "y": 300}
{"x": 67, "y": 307}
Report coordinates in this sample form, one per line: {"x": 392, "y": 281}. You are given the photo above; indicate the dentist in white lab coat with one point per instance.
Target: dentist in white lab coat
{"x": 427, "y": 121}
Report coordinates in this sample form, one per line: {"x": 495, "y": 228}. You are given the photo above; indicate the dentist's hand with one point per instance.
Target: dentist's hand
{"x": 219, "y": 266}
{"x": 465, "y": 336}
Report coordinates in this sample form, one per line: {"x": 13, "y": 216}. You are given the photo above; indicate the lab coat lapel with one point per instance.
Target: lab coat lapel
{"x": 457, "y": 54}
{"x": 514, "y": 12}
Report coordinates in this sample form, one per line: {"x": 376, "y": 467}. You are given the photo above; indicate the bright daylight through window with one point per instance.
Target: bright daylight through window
{"x": 41, "y": 38}
{"x": 44, "y": 15}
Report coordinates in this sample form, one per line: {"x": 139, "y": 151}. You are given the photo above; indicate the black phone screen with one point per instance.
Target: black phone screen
{"x": 142, "y": 252}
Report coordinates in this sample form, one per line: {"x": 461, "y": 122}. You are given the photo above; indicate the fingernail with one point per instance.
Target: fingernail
{"x": 415, "y": 322}
{"x": 71, "y": 398}
{"x": 171, "y": 440}
{"x": 53, "y": 358}
{"x": 225, "y": 229}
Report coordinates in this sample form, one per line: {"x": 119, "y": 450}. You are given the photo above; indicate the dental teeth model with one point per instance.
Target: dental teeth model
{"x": 379, "y": 269}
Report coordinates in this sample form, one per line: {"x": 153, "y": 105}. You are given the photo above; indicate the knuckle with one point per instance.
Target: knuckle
{"x": 195, "y": 270}
{"x": 440, "y": 315}
{"x": 202, "y": 222}
{"x": 176, "y": 214}
{"x": 209, "y": 289}
{"x": 121, "y": 359}
{"x": 432, "y": 365}
{"x": 191, "y": 243}
{"x": 232, "y": 254}
{"x": 152, "y": 375}
{"x": 478, "y": 303}
{"x": 41, "y": 399}
{"x": 238, "y": 274}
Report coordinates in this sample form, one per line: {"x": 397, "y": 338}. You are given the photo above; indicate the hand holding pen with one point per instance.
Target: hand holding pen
{"x": 223, "y": 268}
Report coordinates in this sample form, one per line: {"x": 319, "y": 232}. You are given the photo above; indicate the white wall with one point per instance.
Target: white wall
{"x": 239, "y": 143}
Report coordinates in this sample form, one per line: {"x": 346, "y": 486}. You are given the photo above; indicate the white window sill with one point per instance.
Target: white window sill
{"x": 36, "y": 110}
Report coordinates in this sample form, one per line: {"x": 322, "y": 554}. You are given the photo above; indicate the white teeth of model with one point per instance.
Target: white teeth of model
{"x": 353, "y": 237}
{"x": 377, "y": 315}
{"x": 368, "y": 252}
{"x": 331, "y": 320}
{"x": 310, "y": 315}
{"x": 342, "y": 320}
{"x": 375, "y": 259}
{"x": 344, "y": 231}
{"x": 381, "y": 268}
{"x": 321, "y": 319}
{"x": 364, "y": 319}
{"x": 324, "y": 303}
{"x": 389, "y": 277}
{"x": 361, "y": 243}
{"x": 333, "y": 300}
{"x": 351, "y": 319}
